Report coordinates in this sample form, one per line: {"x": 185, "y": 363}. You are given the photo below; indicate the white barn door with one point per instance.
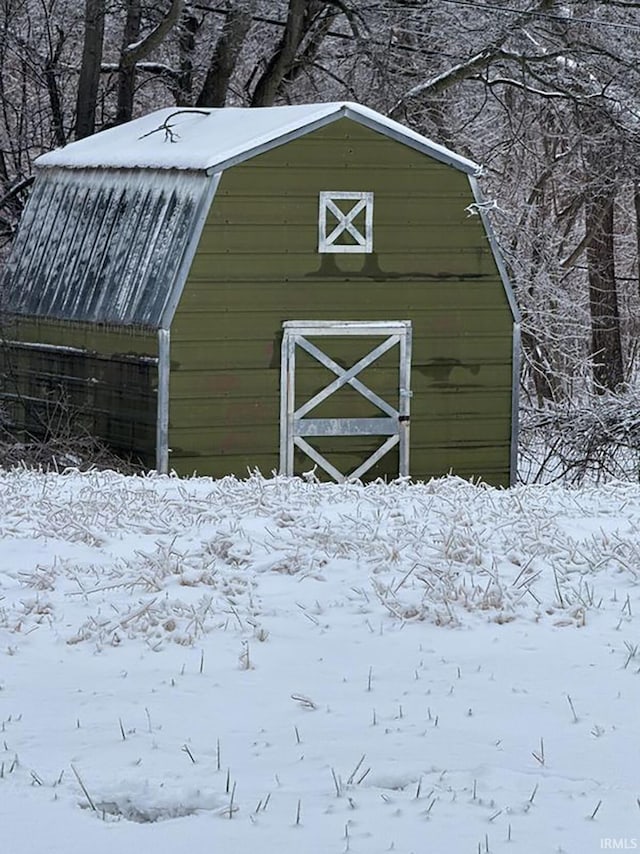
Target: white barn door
{"x": 295, "y": 424}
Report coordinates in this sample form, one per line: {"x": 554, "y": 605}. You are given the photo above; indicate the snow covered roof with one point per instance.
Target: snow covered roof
{"x": 211, "y": 139}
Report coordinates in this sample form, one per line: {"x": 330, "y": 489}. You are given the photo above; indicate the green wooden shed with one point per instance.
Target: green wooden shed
{"x": 282, "y": 288}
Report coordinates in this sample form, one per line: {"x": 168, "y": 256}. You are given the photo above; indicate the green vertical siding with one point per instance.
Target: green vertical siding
{"x": 257, "y": 265}
{"x": 85, "y": 377}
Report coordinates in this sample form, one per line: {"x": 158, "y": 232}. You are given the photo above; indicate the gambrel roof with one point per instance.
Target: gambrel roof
{"x": 113, "y": 220}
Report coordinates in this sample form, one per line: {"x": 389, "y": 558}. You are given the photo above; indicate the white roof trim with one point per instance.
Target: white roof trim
{"x": 211, "y": 139}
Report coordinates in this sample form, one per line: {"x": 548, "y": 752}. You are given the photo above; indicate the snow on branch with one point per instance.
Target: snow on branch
{"x": 476, "y": 208}
{"x": 133, "y": 53}
{"x": 443, "y": 81}
{"x": 151, "y": 67}
{"x": 518, "y": 84}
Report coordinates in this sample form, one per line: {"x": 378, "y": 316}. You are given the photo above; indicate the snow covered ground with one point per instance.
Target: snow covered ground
{"x": 281, "y": 666}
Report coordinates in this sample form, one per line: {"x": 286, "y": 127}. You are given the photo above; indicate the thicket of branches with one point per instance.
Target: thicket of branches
{"x": 545, "y": 93}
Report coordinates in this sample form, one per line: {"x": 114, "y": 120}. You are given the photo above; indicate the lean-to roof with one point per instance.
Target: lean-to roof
{"x": 103, "y": 247}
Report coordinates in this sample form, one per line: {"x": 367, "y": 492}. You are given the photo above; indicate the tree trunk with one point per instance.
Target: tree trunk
{"x": 606, "y": 346}
{"x": 127, "y": 71}
{"x": 187, "y": 30}
{"x": 539, "y": 365}
{"x": 225, "y": 56}
{"x": 90, "y": 68}
{"x": 55, "y": 98}
{"x": 636, "y": 205}
{"x": 282, "y": 59}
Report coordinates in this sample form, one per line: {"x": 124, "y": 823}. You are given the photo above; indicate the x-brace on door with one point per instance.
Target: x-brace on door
{"x": 296, "y": 426}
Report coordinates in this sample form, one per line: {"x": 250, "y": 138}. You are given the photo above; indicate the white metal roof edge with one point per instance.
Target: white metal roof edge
{"x": 399, "y": 132}
{"x": 517, "y": 321}
{"x": 516, "y": 360}
{"x": 177, "y": 287}
{"x": 481, "y": 209}
{"x": 289, "y": 133}
{"x": 364, "y": 116}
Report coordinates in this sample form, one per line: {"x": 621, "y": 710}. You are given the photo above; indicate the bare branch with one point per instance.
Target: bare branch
{"x": 167, "y": 127}
{"x": 133, "y": 53}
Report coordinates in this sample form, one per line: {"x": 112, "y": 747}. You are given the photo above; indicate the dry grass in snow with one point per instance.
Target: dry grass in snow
{"x": 277, "y": 665}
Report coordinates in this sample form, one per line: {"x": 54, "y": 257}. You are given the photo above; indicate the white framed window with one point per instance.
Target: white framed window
{"x": 345, "y": 222}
